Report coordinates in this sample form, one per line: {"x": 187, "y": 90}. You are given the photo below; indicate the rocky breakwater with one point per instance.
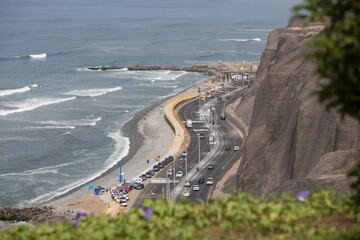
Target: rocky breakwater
{"x": 27, "y": 214}
{"x": 205, "y": 68}
{"x": 293, "y": 142}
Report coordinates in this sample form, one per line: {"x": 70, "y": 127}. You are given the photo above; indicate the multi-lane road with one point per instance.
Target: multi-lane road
{"x": 215, "y": 153}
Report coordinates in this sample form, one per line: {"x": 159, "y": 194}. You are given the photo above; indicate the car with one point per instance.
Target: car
{"x": 212, "y": 108}
{"x": 187, "y": 183}
{"x": 201, "y": 135}
{"x": 201, "y": 181}
{"x": 143, "y": 176}
{"x": 184, "y": 154}
{"x": 139, "y": 186}
{"x": 161, "y": 165}
{"x": 171, "y": 158}
{"x": 227, "y": 148}
{"x": 179, "y": 174}
{"x": 186, "y": 193}
{"x": 156, "y": 168}
{"x": 211, "y": 166}
{"x": 219, "y": 98}
{"x": 196, "y": 188}
{"x": 210, "y": 181}
{"x": 152, "y": 173}
{"x": 148, "y": 175}
{"x": 236, "y": 148}
{"x": 169, "y": 172}
{"x": 123, "y": 202}
{"x": 222, "y": 117}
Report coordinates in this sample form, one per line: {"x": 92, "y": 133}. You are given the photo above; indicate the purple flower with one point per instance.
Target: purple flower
{"x": 303, "y": 195}
{"x": 147, "y": 212}
{"x": 77, "y": 218}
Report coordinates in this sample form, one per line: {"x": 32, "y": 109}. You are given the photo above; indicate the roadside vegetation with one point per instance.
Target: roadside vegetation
{"x": 309, "y": 215}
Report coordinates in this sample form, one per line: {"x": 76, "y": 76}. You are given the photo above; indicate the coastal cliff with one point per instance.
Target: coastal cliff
{"x": 292, "y": 143}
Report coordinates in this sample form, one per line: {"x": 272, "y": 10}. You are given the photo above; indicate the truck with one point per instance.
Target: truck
{"x": 189, "y": 123}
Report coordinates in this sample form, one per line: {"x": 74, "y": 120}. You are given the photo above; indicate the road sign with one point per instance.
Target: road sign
{"x": 201, "y": 130}
{"x": 163, "y": 181}
{"x": 158, "y": 180}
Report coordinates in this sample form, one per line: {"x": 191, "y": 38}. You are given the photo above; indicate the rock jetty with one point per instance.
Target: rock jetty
{"x": 205, "y": 68}
{"x": 27, "y": 214}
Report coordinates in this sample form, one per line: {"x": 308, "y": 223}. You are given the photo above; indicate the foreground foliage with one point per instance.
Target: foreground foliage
{"x": 321, "y": 215}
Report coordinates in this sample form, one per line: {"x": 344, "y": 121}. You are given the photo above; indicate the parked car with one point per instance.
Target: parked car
{"x": 171, "y": 158}
{"x": 227, "y": 148}
{"x": 187, "y": 183}
{"x": 148, "y": 175}
{"x": 210, "y": 181}
{"x": 143, "y": 176}
{"x": 161, "y": 165}
{"x": 236, "y": 148}
{"x": 139, "y": 186}
{"x": 201, "y": 181}
{"x": 156, "y": 168}
{"x": 222, "y": 117}
{"x": 196, "y": 188}
{"x": 152, "y": 172}
{"x": 211, "y": 167}
{"x": 179, "y": 174}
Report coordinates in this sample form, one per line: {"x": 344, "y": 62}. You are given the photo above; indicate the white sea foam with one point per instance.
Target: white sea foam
{"x": 38, "y": 56}
{"x": 240, "y": 40}
{"x": 30, "y": 104}
{"x": 71, "y": 124}
{"x": 17, "y": 90}
{"x": 93, "y": 92}
{"x": 122, "y": 146}
{"x": 14, "y": 91}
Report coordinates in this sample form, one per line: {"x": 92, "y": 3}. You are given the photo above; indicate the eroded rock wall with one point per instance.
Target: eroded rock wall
{"x": 293, "y": 142}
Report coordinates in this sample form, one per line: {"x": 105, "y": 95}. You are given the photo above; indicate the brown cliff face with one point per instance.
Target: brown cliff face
{"x": 293, "y": 142}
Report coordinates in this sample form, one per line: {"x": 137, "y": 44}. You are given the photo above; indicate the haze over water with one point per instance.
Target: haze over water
{"x": 59, "y": 123}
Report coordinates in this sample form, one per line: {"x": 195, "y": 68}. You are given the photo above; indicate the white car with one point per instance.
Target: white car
{"x": 236, "y": 148}
{"x": 187, "y": 183}
{"x": 169, "y": 172}
{"x": 184, "y": 154}
{"x": 196, "y": 188}
{"x": 186, "y": 194}
{"x": 210, "y": 181}
{"x": 179, "y": 174}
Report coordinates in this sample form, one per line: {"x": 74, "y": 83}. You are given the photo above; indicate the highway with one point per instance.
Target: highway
{"x": 224, "y": 133}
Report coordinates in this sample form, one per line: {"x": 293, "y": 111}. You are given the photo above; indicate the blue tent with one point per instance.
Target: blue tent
{"x": 97, "y": 190}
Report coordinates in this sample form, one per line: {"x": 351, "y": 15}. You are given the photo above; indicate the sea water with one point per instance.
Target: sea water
{"x": 60, "y": 124}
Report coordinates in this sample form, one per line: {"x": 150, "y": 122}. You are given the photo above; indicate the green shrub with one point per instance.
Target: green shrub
{"x": 323, "y": 215}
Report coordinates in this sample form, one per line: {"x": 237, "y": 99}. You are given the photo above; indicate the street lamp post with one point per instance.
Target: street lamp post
{"x": 199, "y": 148}
{"x": 186, "y": 170}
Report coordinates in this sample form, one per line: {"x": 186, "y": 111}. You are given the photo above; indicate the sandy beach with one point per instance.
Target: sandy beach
{"x": 150, "y": 136}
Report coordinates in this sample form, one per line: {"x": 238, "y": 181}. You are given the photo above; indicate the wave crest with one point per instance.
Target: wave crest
{"x": 93, "y": 92}
{"x": 240, "y": 40}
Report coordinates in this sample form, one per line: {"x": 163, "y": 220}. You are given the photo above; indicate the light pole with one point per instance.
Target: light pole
{"x": 186, "y": 164}
{"x": 199, "y": 148}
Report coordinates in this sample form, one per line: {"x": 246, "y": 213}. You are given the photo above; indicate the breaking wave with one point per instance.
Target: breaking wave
{"x": 93, "y": 92}
{"x": 30, "y": 104}
{"x": 38, "y": 56}
{"x": 240, "y": 40}
{"x": 17, "y": 90}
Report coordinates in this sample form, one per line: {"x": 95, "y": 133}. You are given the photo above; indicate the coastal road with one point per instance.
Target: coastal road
{"x": 225, "y": 134}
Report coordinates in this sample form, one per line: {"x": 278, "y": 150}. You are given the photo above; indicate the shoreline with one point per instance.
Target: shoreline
{"x": 129, "y": 130}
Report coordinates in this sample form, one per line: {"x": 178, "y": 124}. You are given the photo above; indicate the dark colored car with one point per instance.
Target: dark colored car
{"x": 143, "y": 176}
{"x": 211, "y": 167}
{"x": 227, "y": 148}
{"x": 201, "y": 181}
{"x": 152, "y": 172}
{"x": 223, "y": 117}
{"x": 171, "y": 158}
{"x": 161, "y": 165}
{"x": 156, "y": 168}
{"x": 219, "y": 98}
{"x": 139, "y": 186}
{"x": 148, "y": 175}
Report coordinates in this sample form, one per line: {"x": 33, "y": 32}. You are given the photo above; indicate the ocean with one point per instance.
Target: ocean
{"x": 60, "y": 124}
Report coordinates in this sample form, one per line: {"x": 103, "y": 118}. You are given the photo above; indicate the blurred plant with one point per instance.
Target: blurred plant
{"x": 303, "y": 195}
{"x": 77, "y": 218}
{"x": 337, "y": 51}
